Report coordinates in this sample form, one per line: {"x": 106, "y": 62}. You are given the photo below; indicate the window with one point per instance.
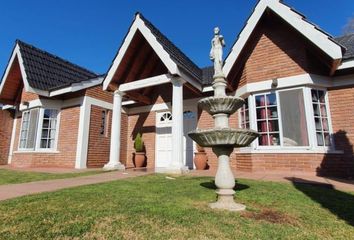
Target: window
{"x": 103, "y": 122}
{"x": 28, "y": 129}
{"x": 166, "y": 117}
{"x": 244, "y": 116}
{"x": 280, "y": 118}
{"x": 49, "y": 128}
{"x": 267, "y": 119}
{"x": 38, "y": 126}
{"x": 320, "y": 117}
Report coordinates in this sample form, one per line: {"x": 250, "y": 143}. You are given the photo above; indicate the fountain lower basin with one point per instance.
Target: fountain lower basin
{"x": 224, "y": 137}
{"x": 225, "y": 104}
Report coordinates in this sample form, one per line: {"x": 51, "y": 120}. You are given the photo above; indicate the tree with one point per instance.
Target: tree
{"x": 349, "y": 27}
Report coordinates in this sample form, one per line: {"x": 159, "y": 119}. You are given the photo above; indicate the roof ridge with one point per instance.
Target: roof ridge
{"x": 18, "y": 41}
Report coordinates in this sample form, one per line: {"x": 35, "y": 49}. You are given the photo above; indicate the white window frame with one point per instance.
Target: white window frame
{"x": 20, "y": 134}
{"x": 309, "y": 115}
{"x": 37, "y": 147}
{"x": 39, "y": 131}
{"x": 313, "y": 124}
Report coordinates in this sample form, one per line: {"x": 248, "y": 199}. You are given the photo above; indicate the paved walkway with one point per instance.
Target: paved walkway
{"x": 22, "y": 189}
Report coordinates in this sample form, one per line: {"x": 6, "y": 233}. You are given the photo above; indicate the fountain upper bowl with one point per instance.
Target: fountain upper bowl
{"x": 216, "y": 105}
{"x": 224, "y": 137}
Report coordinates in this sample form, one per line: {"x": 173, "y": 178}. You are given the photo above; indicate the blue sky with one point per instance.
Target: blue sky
{"x": 89, "y": 32}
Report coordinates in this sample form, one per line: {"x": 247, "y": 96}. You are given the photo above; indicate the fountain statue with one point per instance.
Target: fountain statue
{"x": 222, "y": 139}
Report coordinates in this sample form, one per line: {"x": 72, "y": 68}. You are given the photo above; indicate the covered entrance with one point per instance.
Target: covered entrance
{"x": 150, "y": 73}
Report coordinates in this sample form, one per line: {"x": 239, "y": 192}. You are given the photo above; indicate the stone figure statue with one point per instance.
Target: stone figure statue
{"x": 217, "y": 44}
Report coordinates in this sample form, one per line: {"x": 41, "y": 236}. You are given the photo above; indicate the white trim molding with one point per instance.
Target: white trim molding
{"x": 346, "y": 64}
{"x": 295, "y": 81}
{"x": 297, "y": 21}
{"x": 147, "y": 82}
{"x": 84, "y": 129}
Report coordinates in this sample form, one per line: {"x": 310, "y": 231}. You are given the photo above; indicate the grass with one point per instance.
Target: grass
{"x": 153, "y": 207}
{"x": 15, "y": 176}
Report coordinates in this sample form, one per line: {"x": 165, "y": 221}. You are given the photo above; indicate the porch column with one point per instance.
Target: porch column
{"x": 114, "y": 162}
{"x": 177, "y": 125}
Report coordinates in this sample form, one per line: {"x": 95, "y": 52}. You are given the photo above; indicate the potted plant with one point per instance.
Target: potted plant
{"x": 139, "y": 155}
{"x": 200, "y": 158}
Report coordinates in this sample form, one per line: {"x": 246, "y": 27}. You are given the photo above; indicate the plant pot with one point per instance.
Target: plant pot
{"x": 139, "y": 159}
{"x": 201, "y": 160}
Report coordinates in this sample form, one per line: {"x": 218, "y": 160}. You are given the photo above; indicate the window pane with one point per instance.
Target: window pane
{"x": 274, "y": 138}
{"x": 263, "y": 140}
{"x": 260, "y": 101}
{"x": 32, "y": 131}
{"x": 48, "y": 128}
{"x": 272, "y": 112}
{"x": 261, "y": 113}
{"x": 321, "y": 117}
{"x": 271, "y": 99}
{"x": 293, "y": 118}
{"x": 273, "y": 126}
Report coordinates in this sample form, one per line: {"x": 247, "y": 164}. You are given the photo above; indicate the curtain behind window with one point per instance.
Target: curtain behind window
{"x": 293, "y": 118}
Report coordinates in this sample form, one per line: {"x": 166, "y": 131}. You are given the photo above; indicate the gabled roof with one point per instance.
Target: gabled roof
{"x": 348, "y": 42}
{"x": 172, "y": 57}
{"x": 47, "y": 72}
{"x": 44, "y": 73}
{"x": 313, "y": 33}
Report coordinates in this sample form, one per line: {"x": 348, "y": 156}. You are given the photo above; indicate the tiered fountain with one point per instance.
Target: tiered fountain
{"x": 222, "y": 139}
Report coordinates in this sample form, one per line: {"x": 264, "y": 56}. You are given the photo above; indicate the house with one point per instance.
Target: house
{"x": 297, "y": 80}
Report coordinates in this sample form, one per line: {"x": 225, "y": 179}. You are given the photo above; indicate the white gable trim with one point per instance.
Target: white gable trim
{"x": 16, "y": 53}
{"x": 139, "y": 24}
{"x": 297, "y": 21}
{"x": 346, "y": 64}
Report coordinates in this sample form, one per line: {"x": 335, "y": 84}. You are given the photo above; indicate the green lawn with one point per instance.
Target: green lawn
{"x": 15, "y": 176}
{"x": 153, "y": 207}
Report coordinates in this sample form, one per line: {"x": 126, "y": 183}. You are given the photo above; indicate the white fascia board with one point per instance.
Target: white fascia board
{"x": 5, "y": 107}
{"x": 320, "y": 39}
{"x": 7, "y": 70}
{"x": 78, "y": 86}
{"x": 138, "y": 24}
{"x": 346, "y": 64}
{"x": 129, "y": 102}
{"x": 287, "y": 82}
{"x": 55, "y": 104}
{"x": 147, "y": 82}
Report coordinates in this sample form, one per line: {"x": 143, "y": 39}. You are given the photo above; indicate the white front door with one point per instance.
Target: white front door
{"x": 164, "y": 143}
{"x": 163, "y": 139}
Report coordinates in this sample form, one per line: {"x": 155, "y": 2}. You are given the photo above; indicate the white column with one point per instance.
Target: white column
{"x": 177, "y": 125}
{"x": 114, "y": 162}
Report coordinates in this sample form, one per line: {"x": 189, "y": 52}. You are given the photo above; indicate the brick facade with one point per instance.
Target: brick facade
{"x": 67, "y": 143}
{"x": 6, "y": 123}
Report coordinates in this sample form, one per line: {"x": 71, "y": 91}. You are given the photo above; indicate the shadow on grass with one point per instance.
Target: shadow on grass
{"x": 337, "y": 202}
{"x": 211, "y": 185}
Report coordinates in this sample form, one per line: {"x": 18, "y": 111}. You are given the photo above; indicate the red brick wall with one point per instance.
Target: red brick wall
{"x": 342, "y": 115}
{"x": 67, "y": 143}
{"x": 98, "y": 93}
{"x": 6, "y": 123}
{"x": 145, "y": 124}
{"x": 99, "y": 144}
{"x": 275, "y": 50}
{"x": 27, "y": 96}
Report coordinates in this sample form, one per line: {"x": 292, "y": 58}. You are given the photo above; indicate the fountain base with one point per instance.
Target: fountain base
{"x": 226, "y": 201}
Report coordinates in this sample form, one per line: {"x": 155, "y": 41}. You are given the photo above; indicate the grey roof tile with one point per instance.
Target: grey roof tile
{"x": 348, "y": 42}
{"x": 47, "y": 72}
